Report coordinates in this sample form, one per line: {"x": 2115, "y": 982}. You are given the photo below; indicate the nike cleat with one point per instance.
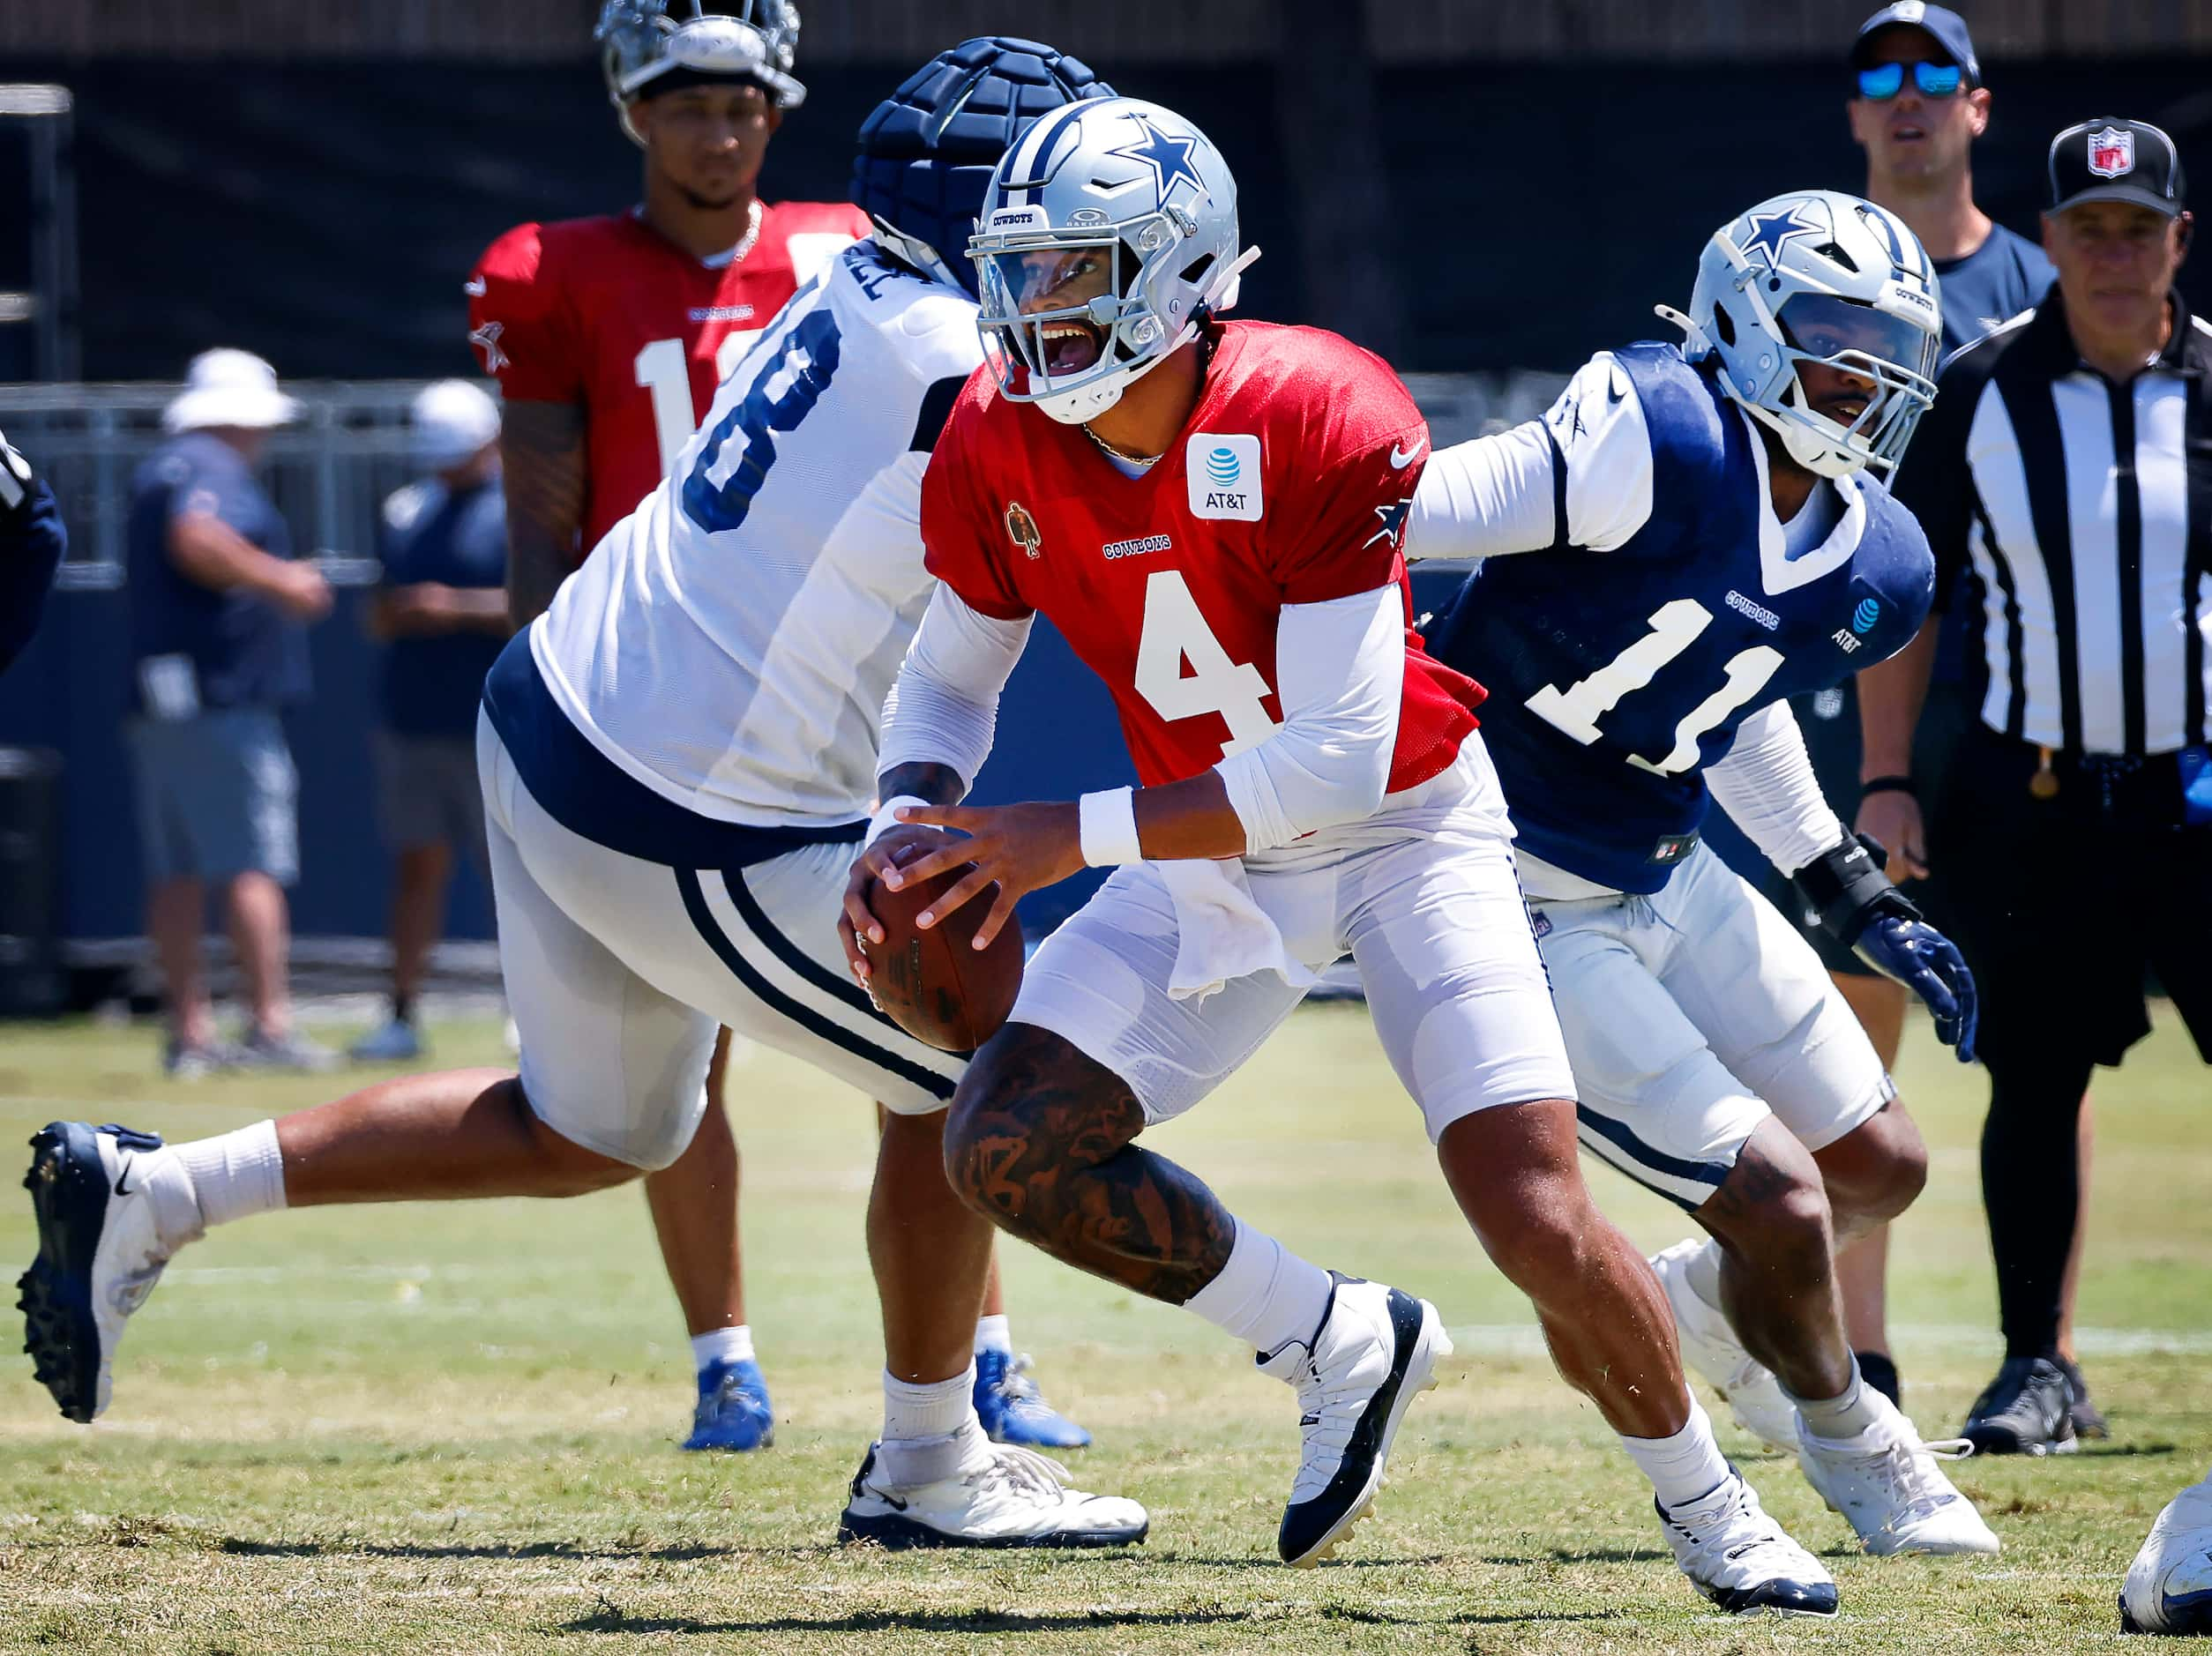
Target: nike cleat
{"x": 99, "y": 1257}
{"x": 1886, "y": 1482}
{"x": 1016, "y": 1498}
{"x": 1375, "y": 1351}
{"x": 734, "y": 1412}
{"x": 1013, "y": 1411}
{"x": 2169, "y": 1587}
{"x": 1709, "y": 1346}
{"x": 2089, "y": 1420}
{"x": 1741, "y": 1559}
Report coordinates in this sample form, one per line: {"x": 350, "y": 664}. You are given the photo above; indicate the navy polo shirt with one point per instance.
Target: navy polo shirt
{"x": 432, "y": 685}
{"x": 245, "y": 651}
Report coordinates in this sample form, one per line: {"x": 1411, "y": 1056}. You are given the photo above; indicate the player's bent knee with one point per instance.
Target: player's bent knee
{"x": 565, "y": 1167}
{"x": 1878, "y": 1169}
{"x": 1773, "y": 1207}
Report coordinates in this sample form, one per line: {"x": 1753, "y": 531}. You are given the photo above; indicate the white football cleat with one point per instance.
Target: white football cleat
{"x": 1741, "y": 1559}
{"x": 2169, "y": 1587}
{"x": 99, "y": 1257}
{"x": 1886, "y": 1482}
{"x": 1375, "y": 1351}
{"x": 1016, "y": 1498}
{"x": 1709, "y": 1346}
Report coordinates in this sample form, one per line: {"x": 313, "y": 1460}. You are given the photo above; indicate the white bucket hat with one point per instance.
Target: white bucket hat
{"x": 453, "y": 421}
{"x": 224, "y": 387}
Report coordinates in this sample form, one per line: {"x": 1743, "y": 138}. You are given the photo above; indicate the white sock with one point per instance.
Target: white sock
{"x": 1838, "y": 1418}
{"x": 1682, "y": 1467}
{"x": 717, "y": 1346}
{"x": 235, "y": 1175}
{"x": 991, "y": 1334}
{"x": 1266, "y": 1295}
{"x": 930, "y": 1431}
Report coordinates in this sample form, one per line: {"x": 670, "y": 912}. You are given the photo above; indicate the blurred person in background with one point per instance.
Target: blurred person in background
{"x": 219, "y": 617}
{"x": 609, "y": 336}
{"x": 442, "y": 611}
{"x": 2065, "y": 469}
{"x": 31, "y": 542}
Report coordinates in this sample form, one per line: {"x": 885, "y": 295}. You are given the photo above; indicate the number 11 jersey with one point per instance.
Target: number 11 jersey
{"x": 1289, "y": 484}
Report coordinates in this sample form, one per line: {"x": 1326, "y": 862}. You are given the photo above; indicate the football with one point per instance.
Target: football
{"x": 934, "y": 983}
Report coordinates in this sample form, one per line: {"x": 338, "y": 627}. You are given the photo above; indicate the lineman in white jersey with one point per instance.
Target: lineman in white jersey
{"x": 677, "y": 762}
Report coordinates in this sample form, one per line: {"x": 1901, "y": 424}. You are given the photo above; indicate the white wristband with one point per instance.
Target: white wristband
{"x": 883, "y": 821}
{"x": 1106, "y": 827}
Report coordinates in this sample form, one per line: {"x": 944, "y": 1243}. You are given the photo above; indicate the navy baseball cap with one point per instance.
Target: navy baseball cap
{"x": 2108, "y": 160}
{"x": 1945, "y": 27}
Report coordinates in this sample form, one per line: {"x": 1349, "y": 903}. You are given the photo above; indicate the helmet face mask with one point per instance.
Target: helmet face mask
{"x": 1821, "y": 280}
{"x": 1106, "y": 234}
{"x": 746, "y": 40}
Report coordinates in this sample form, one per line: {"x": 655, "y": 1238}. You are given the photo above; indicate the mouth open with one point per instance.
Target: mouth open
{"x": 1908, "y": 133}
{"x": 1071, "y": 346}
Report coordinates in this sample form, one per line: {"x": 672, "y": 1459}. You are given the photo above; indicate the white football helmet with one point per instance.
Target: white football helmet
{"x": 1818, "y": 276}
{"x": 1106, "y": 235}
{"x": 747, "y": 40}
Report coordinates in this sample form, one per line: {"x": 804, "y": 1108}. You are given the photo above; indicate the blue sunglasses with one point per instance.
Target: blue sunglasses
{"x": 1885, "y": 81}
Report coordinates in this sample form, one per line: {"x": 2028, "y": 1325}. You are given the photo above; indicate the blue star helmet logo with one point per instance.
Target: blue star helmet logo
{"x": 1771, "y": 231}
{"x": 1168, "y": 155}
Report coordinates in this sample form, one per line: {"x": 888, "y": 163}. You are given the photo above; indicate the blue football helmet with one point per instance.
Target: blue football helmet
{"x": 927, "y": 152}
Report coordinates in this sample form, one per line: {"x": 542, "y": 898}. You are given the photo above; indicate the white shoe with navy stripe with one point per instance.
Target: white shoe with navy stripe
{"x": 1016, "y": 1497}
{"x": 1741, "y": 1559}
{"x": 1375, "y": 1351}
{"x": 99, "y": 1257}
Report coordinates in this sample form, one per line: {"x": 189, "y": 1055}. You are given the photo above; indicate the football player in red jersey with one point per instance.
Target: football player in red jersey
{"x": 609, "y": 336}
{"x": 1213, "y": 515}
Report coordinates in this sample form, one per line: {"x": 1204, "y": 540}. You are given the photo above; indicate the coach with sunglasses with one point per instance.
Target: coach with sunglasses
{"x": 2064, "y": 478}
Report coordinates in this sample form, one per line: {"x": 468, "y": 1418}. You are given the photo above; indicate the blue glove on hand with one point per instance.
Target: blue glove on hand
{"x": 1860, "y": 909}
{"x": 1929, "y": 963}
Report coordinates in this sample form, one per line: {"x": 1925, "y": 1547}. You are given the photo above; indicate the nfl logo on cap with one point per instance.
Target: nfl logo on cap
{"x": 2111, "y": 153}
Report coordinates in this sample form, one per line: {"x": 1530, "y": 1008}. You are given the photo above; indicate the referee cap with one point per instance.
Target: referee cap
{"x": 2112, "y": 160}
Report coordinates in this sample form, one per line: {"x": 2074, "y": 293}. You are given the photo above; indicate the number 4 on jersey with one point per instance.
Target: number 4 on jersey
{"x": 1175, "y": 633}
{"x": 1675, "y": 627}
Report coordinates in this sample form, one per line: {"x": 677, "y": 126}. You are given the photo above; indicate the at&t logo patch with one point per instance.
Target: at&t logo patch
{"x": 1224, "y": 476}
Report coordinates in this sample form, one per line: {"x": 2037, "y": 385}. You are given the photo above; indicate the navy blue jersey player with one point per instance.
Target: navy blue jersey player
{"x": 1704, "y": 534}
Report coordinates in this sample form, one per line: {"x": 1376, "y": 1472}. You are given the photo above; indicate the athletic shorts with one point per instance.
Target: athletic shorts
{"x": 1692, "y": 1016}
{"x": 618, "y": 972}
{"x": 1425, "y": 899}
{"x": 428, "y": 794}
{"x": 217, "y": 795}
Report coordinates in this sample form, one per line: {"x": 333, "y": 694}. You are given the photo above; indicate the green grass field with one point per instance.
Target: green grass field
{"x": 453, "y": 1429}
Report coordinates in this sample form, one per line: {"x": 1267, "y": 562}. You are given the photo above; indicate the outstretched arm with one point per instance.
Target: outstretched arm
{"x": 541, "y": 455}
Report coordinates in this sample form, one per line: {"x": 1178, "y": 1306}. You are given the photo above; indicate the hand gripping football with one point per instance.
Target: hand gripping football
{"x": 936, "y": 984}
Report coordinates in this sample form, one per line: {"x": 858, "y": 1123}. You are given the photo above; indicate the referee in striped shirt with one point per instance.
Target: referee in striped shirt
{"x": 2064, "y": 478}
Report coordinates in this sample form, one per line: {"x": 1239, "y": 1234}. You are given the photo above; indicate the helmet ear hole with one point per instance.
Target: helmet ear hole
{"x": 1724, "y": 325}
{"x": 1197, "y": 268}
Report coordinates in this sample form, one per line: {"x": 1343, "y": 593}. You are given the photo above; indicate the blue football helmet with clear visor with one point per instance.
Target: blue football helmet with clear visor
{"x": 751, "y": 39}
{"x": 1107, "y": 233}
{"x": 1817, "y": 276}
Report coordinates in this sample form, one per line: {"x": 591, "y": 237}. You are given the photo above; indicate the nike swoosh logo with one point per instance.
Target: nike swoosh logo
{"x": 473, "y": 288}
{"x": 1400, "y": 459}
{"x": 123, "y": 1174}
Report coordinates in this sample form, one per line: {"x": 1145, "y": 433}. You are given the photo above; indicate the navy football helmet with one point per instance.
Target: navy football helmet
{"x": 927, "y": 152}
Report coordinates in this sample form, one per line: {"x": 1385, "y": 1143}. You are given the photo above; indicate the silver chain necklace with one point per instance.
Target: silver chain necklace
{"x": 1142, "y": 462}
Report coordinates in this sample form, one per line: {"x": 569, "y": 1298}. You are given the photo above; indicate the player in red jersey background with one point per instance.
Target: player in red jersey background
{"x": 609, "y": 336}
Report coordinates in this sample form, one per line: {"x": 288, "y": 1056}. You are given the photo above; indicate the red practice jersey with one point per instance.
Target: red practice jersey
{"x": 1291, "y": 485}
{"x": 607, "y": 313}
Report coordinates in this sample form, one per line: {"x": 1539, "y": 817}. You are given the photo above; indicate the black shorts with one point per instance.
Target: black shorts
{"x": 1829, "y": 720}
{"x": 2062, "y": 906}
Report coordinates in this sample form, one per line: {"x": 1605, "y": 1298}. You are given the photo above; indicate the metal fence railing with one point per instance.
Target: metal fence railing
{"x": 329, "y": 473}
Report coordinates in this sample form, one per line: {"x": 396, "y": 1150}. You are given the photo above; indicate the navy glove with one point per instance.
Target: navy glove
{"x": 1862, "y": 910}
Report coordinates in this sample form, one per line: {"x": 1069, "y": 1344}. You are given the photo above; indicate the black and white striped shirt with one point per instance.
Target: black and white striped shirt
{"x": 2080, "y": 512}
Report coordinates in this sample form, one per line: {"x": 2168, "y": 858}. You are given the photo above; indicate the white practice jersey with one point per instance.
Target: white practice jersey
{"x": 730, "y": 642}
